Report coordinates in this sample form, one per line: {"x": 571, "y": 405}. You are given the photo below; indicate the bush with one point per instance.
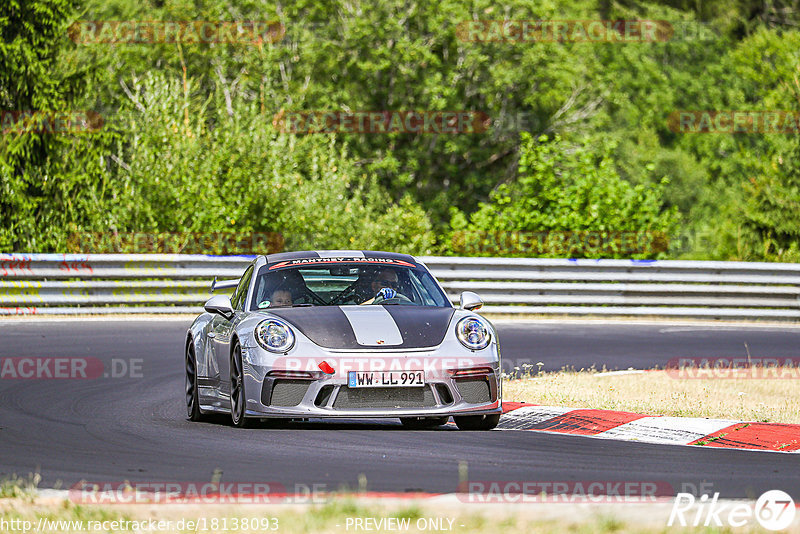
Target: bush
{"x": 568, "y": 201}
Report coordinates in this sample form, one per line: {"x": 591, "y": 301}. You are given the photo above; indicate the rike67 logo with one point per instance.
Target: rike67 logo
{"x": 774, "y": 510}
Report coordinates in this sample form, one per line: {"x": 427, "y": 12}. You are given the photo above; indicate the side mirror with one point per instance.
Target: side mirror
{"x": 470, "y": 301}
{"x": 220, "y": 304}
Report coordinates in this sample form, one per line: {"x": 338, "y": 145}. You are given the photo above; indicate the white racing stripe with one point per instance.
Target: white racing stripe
{"x": 373, "y": 326}
{"x": 340, "y": 253}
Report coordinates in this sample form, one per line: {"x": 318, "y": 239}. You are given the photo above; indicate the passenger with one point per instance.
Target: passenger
{"x": 280, "y": 297}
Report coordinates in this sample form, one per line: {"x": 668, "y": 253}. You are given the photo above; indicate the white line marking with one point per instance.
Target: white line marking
{"x": 681, "y": 430}
{"x": 528, "y": 416}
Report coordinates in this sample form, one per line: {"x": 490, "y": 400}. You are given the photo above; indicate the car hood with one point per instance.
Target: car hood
{"x": 372, "y": 326}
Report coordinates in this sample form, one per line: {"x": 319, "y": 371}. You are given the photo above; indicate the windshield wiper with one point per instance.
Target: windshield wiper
{"x": 303, "y": 305}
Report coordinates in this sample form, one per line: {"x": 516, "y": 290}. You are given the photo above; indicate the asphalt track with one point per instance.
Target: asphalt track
{"x": 134, "y": 428}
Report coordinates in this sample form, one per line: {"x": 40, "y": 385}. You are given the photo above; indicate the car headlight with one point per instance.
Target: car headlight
{"x": 473, "y": 333}
{"x": 274, "y": 335}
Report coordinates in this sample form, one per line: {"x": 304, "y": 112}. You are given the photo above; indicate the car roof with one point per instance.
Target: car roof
{"x": 314, "y": 254}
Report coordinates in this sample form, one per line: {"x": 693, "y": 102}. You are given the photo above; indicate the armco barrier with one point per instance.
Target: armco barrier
{"x": 169, "y": 283}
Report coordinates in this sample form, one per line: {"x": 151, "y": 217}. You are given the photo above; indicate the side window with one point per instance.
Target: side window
{"x": 432, "y": 295}
{"x": 260, "y": 291}
{"x": 240, "y": 294}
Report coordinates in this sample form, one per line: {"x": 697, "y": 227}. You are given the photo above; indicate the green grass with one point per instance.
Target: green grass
{"x": 19, "y": 488}
{"x": 332, "y": 516}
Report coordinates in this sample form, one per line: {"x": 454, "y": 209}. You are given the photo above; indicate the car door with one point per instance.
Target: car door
{"x": 222, "y": 329}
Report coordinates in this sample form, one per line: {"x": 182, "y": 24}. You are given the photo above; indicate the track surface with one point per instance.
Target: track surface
{"x": 135, "y": 428}
{"x": 639, "y": 345}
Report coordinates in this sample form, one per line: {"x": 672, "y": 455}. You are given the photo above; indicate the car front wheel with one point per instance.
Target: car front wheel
{"x": 238, "y": 397}
{"x": 477, "y": 422}
{"x": 192, "y": 399}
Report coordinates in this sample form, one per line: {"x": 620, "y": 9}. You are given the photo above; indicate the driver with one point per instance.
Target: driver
{"x": 384, "y": 279}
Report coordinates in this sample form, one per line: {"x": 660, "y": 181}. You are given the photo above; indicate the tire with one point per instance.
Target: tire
{"x": 238, "y": 395}
{"x": 193, "y": 410}
{"x": 477, "y": 422}
{"x": 417, "y": 423}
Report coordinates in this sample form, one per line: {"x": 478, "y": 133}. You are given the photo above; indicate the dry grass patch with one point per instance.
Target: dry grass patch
{"x": 657, "y": 393}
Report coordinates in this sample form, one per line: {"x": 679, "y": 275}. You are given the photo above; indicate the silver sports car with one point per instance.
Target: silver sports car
{"x": 347, "y": 334}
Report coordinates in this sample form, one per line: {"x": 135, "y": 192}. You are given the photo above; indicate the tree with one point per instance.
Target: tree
{"x": 33, "y": 82}
{"x": 772, "y": 208}
{"x": 188, "y": 166}
{"x": 568, "y": 200}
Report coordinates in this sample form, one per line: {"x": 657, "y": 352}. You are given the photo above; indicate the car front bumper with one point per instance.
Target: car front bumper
{"x": 444, "y": 392}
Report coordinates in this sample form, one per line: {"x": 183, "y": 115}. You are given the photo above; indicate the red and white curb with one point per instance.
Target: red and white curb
{"x": 627, "y": 426}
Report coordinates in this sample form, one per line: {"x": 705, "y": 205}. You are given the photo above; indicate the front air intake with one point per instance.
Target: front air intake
{"x": 366, "y": 398}
{"x": 288, "y": 392}
{"x": 474, "y": 390}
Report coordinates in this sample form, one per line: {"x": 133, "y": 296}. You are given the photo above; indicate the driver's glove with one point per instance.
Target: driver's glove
{"x": 387, "y": 293}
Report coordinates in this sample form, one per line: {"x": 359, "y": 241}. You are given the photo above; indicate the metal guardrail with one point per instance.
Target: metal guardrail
{"x": 169, "y": 283}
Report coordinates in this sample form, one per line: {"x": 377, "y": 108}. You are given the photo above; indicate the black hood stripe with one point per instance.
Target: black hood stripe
{"x": 421, "y": 326}
{"x": 327, "y": 326}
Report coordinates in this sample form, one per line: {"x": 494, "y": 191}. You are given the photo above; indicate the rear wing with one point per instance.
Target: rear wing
{"x": 223, "y": 284}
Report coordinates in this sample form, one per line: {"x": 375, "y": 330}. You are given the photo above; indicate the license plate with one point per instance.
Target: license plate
{"x": 383, "y": 379}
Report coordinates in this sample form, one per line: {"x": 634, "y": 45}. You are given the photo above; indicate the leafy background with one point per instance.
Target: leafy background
{"x": 188, "y": 143}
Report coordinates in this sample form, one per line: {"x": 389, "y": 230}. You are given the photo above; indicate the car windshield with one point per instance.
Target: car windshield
{"x": 335, "y": 282}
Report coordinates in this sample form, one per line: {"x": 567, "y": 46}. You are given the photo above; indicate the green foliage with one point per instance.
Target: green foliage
{"x": 564, "y": 191}
{"x": 772, "y": 209}
{"x": 189, "y": 145}
{"x": 31, "y": 79}
{"x": 188, "y": 166}
{"x": 15, "y": 487}
{"x": 737, "y": 212}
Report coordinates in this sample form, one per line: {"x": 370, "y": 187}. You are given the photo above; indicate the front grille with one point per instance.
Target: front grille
{"x": 474, "y": 390}
{"x": 349, "y": 398}
{"x": 289, "y": 392}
